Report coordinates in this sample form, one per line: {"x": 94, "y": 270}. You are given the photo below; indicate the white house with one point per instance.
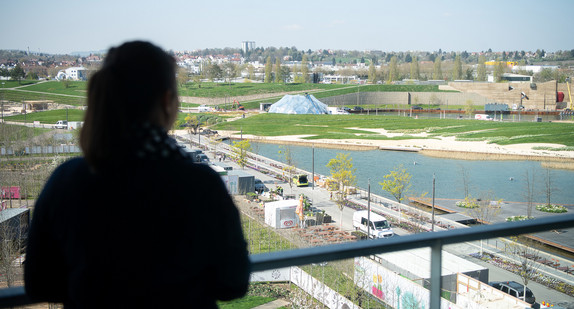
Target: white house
{"x": 73, "y": 73}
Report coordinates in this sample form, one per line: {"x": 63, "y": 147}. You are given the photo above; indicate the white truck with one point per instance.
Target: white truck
{"x": 379, "y": 226}
{"x": 61, "y": 124}
{"x": 70, "y": 125}
{"x": 204, "y": 109}
{"x": 482, "y": 117}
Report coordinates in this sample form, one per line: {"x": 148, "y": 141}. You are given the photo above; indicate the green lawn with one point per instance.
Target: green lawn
{"x": 76, "y": 88}
{"x": 221, "y": 90}
{"x": 49, "y": 117}
{"x": 338, "y": 127}
{"x": 15, "y": 83}
{"x": 246, "y": 302}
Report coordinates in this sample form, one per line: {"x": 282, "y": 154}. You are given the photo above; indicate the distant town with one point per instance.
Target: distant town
{"x": 292, "y": 65}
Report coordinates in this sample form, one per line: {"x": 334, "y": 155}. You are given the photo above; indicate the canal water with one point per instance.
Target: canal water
{"x": 486, "y": 179}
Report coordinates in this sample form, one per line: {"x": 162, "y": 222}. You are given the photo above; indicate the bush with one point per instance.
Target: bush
{"x": 551, "y": 208}
{"x": 518, "y": 218}
{"x": 467, "y": 203}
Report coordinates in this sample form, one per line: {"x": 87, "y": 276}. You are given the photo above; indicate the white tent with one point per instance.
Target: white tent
{"x": 299, "y": 104}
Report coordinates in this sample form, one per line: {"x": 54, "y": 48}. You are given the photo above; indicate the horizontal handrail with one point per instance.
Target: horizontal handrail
{"x": 15, "y": 296}
{"x": 347, "y": 250}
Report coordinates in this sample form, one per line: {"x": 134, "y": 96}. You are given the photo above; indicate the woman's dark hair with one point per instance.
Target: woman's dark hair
{"x": 126, "y": 91}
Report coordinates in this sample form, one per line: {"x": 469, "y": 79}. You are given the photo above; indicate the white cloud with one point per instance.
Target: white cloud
{"x": 293, "y": 27}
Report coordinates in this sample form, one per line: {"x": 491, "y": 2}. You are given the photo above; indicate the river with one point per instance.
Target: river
{"x": 487, "y": 179}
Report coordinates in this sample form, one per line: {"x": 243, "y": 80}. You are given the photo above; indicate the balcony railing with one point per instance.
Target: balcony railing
{"x": 10, "y": 297}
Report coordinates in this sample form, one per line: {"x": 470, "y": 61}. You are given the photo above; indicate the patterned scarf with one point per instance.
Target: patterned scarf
{"x": 152, "y": 142}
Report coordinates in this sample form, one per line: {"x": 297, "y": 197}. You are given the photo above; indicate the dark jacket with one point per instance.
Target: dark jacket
{"x": 143, "y": 234}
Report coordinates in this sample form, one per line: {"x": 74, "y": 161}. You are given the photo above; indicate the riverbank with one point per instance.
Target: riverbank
{"x": 443, "y": 147}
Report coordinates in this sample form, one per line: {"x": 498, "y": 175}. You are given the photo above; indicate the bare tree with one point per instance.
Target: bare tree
{"x": 465, "y": 181}
{"x": 289, "y": 167}
{"x": 11, "y": 246}
{"x": 548, "y": 186}
{"x": 527, "y": 254}
{"x": 529, "y": 192}
{"x": 484, "y": 211}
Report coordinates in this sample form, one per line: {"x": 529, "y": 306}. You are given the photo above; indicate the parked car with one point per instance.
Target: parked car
{"x": 260, "y": 187}
{"x": 300, "y": 180}
{"x": 357, "y": 108}
{"x": 202, "y": 158}
{"x": 416, "y": 107}
{"x": 515, "y": 289}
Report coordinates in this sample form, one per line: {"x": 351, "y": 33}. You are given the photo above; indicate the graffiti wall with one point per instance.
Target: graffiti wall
{"x": 398, "y": 292}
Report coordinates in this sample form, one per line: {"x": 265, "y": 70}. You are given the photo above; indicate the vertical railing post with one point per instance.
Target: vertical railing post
{"x": 436, "y": 273}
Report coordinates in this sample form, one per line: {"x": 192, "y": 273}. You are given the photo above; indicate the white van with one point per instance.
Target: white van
{"x": 380, "y": 227}
{"x": 204, "y": 109}
{"x": 482, "y": 117}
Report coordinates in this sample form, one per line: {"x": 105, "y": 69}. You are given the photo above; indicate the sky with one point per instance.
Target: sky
{"x": 65, "y": 26}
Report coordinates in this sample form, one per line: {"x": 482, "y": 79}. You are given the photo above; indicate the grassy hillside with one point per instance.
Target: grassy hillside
{"x": 338, "y": 127}
{"x": 49, "y": 117}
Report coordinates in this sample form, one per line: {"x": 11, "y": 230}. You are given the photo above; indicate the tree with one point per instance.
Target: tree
{"x": 483, "y": 210}
{"x": 285, "y": 72}
{"x": 251, "y": 71}
{"x": 397, "y": 183}
{"x": 529, "y": 192}
{"x": 415, "y": 71}
{"x": 469, "y": 108}
{"x": 11, "y": 247}
{"x": 268, "y": 70}
{"x": 182, "y": 76}
{"x": 408, "y": 58}
{"x": 214, "y": 71}
{"x": 17, "y": 73}
{"x": 197, "y": 79}
{"x": 192, "y": 123}
{"x": 499, "y": 70}
{"x": 481, "y": 69}
{"x": 278, "y": 74}
{"x": 393, "y": 71}
{"x": 469, "y": 73}
{"x": 372, "y": 73}
{"x": 465, "y": 181}
{"x": 437, "y": 70}
{"x": 297, "y": 78}
{"x": 457, "y": 69}
{"x": 343, "y": 174}
{"x": 305, "y": 69}
{"x": 240, "y": 150}
{"x": 527, "y": 255}
{"x": 230, "y": 70}
{"x": 289, "y": 167}
{"x": 548, "y": 186}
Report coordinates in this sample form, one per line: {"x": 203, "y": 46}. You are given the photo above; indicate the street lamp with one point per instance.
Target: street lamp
{"x": 2, "y": 102}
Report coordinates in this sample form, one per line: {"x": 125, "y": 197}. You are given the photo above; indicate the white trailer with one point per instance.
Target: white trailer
{"x": 281, "y": 214}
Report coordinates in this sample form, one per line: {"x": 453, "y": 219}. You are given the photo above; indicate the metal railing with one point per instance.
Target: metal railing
{"x": 10, "y": 297}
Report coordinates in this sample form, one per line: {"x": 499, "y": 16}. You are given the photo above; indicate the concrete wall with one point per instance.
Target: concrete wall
{"x": 542, "y": 96}
{"x": 403, "y": 98}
